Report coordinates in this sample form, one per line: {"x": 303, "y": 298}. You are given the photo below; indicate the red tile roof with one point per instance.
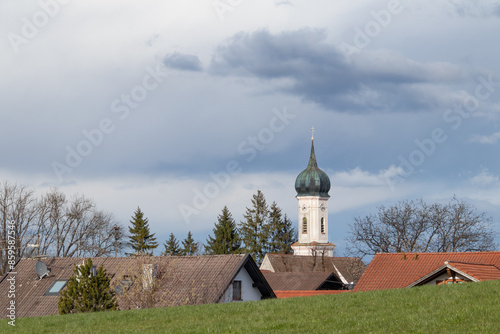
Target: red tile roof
{"x": 398, "y": 270}
{"x": 482, "y": 272}
{"x": 306, "y": 293}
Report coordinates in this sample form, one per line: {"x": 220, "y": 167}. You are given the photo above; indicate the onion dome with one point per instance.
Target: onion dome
{"x": 312, "y": 181}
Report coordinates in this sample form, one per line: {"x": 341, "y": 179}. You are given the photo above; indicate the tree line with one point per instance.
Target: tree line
{"x": 54, "y": 224}
{"x": 265, "y": 229}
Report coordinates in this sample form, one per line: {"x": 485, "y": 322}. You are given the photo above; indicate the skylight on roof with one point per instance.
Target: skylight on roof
{"x": 56, "y": 287}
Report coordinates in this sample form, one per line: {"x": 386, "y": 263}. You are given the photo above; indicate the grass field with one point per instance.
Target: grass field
{"x": 461, "y": 308}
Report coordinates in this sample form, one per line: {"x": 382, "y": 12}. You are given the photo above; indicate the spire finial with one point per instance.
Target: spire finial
{"x": 312, "y": 133}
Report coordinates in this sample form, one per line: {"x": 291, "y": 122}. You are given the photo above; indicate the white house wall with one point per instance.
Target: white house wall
{"x": 446, "y": 277}
{"x": 248, "y": 292}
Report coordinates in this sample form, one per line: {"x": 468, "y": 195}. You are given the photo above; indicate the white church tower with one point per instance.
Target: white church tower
{"x": 312, "y": 186}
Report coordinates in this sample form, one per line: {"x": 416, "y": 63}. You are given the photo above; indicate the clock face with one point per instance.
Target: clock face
{"x": 322, "y": 207}
{"x": 304, "y": 207}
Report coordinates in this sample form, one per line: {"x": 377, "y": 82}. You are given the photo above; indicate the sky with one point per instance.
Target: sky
{"x": 184, "y": 107}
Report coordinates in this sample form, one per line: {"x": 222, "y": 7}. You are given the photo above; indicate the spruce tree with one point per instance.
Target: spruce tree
{"x": 226, "y": 239}
{"x": 255, "y": 228}
{"x": 172, "y": 246}
{"x": 189, "y": 246}
{"x": 86, "y": 292}
{"x": 281, "y": 232}
{"x": 141, "y": 240}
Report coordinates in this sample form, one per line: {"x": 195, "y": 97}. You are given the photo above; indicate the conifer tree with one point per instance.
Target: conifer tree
{"x": 141, "y": 240}
{"x": 281, "y": 232}
{"x": 172, "y": 246}
{"x": 226, "y": 239}
{"x": 255, "y": 228}
{"x": 189, "y": 246}
{"x": 87, "y": 291}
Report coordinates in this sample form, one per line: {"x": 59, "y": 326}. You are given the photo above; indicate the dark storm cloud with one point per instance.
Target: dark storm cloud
{"x": 318, "y": 72}
{"x": 183, "y": 62}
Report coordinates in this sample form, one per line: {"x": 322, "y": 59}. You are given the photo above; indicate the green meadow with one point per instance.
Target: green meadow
{"x": 460, "y": 308}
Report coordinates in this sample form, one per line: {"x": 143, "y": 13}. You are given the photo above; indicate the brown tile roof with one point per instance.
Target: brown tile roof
{"x": 188, "y": 279}
{"x": 398, "y": 270}
{"x": 306, "y": 293}
{"x": 293, "y": 263}
{"x": 298, "y": 281}
{"x": 350, "y": 268}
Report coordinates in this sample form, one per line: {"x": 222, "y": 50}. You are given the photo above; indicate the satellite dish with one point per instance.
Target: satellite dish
{"x": 41, "y": 269}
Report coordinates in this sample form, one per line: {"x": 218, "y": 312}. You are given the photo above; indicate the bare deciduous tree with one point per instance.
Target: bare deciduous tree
{"x": 74, "y": 227}
{"x": 415, "y": 226}
{"x": 54, "y": 225}
{"x": 17, "y": 205}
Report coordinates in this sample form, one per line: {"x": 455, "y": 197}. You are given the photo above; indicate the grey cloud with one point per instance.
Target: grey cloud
{"x": 183, "y": 62}
{"x": 453, "y": 8}
{"x": 318, "y": 72}
{"x": 278, "y": 3}
{"x": 477, "y": 8}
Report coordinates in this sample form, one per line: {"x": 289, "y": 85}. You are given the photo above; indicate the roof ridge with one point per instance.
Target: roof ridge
{"x": 437, "y": 253}
{"x": 474, "y": 263}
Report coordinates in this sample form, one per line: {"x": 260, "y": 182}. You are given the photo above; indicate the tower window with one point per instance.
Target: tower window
{"x": 304, "y": 225}
{"x": 323, "y": 225}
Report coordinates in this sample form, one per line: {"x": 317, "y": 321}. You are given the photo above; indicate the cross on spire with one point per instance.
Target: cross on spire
{"x": 312, "y": 133}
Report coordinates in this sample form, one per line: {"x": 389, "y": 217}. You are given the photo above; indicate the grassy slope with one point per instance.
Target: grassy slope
{"x": 464, "y": 308}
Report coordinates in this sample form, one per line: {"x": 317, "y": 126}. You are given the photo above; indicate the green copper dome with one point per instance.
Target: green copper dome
{"x": 312, "y": 181}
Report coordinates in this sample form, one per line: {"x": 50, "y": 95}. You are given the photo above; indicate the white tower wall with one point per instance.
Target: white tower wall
{"x": 314, "y": 209}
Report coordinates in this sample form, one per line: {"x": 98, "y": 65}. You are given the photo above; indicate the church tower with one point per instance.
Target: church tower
{"x": 312, "y": 186}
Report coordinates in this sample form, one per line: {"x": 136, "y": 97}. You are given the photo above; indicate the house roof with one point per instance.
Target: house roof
{"x": 471, "y": 271}
{"x": 188, "y": 279}
{"x": 398, "y": 270}
{"x": 298, "y": 280}
{"x": 482, "y": 272}
{"x": 306, "y": 293}
{"x": 347, "y": 269}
